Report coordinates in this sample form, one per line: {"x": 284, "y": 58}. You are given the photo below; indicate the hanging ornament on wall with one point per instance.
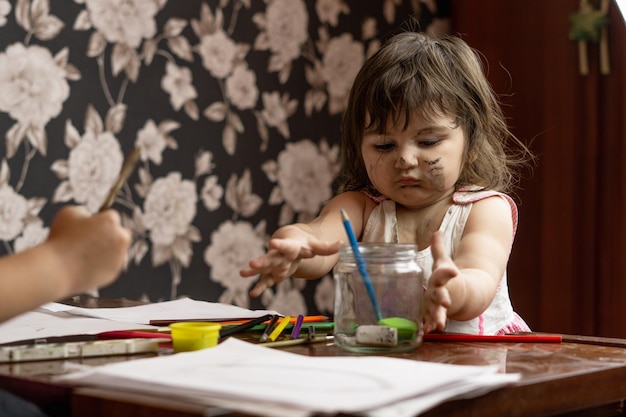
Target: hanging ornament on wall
{"x": 590, "y": 25}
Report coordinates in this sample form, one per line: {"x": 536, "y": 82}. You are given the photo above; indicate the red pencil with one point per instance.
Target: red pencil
{"x": 507, "y": 338}
{"x": 129, "y": 334}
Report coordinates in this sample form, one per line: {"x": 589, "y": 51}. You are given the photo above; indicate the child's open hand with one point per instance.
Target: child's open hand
{"x": 437, "y": 295}
{"x": 283, "y": 258}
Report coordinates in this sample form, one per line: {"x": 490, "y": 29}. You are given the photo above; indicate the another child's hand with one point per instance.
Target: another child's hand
{"x": 437, "y": 296}
{"x": 283, "y": 259}
{"x": 95, "y": 246}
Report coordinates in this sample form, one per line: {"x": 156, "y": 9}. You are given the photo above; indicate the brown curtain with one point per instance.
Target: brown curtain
{"x": 568, "y": 268}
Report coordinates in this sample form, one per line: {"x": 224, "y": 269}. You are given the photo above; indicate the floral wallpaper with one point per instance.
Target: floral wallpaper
{"x": 234, "y": 104}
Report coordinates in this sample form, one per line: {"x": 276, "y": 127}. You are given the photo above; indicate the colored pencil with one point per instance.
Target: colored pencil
{"x": 232, "y": 322}
{"x": 268, "y": 328}
{"x": 279, "y": 329}
{"x": 132, "y": 334}
{"x": 292, "y": 320}
{"x": 244, "y": 326}
{"x": 507, "y": 338}
{"x": 127, "y": 169}
{"x": 295, "y": 332}
{"x": 299, "y": 341}
{"x": 321, "y": 326}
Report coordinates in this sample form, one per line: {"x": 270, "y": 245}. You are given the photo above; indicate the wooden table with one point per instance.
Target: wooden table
{"x": 584, "y": 379}
{"x": 583, "y": 376}
{"x": 31, "y": 380}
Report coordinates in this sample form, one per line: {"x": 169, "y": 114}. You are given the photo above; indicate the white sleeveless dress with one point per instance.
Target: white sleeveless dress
{"x": 499, "y": 317}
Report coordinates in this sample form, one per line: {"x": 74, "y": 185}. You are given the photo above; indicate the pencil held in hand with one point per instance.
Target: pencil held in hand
{"x": 127, "y": 169}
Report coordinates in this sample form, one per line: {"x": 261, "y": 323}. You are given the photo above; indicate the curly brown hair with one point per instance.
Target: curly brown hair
{"x": 412, "y": 73}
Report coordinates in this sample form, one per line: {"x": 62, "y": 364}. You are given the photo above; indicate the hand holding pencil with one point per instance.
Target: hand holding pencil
{"x": 92, "y": 248}
{"x": 95, "y": 246}
{"x": 82, "y": 252}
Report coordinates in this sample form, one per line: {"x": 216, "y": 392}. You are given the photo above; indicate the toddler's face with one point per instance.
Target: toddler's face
{"x": 417, "y": 165}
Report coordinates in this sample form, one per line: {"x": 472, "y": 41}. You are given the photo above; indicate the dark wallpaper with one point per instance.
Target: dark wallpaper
{"x": 234, "y": 104}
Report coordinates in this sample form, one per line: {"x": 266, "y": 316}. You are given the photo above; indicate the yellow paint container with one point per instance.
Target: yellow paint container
{"x": 188, "y": 336}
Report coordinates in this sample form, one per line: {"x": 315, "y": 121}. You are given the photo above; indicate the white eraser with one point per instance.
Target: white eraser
{"x": 374, "y": 335}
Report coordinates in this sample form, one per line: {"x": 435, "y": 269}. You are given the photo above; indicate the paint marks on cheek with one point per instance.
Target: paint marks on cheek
{"x": 433, "y": 162}
{"x": 372, "y": 172}
{"x": 435, "y": 171}
{"x": 377, "y": 172}
{"x": 378, "y": 164}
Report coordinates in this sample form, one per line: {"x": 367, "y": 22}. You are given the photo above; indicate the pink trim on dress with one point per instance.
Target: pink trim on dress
{"x": 465, "y": 196}
{"x": 516, "y": 325}
{"x": 375, "y": 199}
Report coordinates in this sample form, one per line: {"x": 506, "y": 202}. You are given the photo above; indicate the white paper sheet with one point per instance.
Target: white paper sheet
{"x": 42, "y": 325}
{"x": 237, "y": 370}
{"x": 181, "y": 309}
{"x": 58, "y": 320}
{"x": 468, "y": 388}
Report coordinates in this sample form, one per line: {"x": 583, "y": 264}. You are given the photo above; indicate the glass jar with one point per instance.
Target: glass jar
{"x": 387, "y": 315}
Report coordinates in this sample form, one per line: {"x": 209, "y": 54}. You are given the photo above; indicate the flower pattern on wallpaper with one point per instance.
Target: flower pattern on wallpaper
{"x": 235, "y": 106}
{"x": 95, "y": 159}
{"x": 304, "y": 174}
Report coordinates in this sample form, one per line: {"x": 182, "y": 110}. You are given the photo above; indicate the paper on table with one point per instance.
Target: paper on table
{"x": 42, "y": 325}
{"x": 467, "y": 388}
{"x": 243, "y": 371}
{"x": 59, "y": 320}
{"x": 181, "y": 309}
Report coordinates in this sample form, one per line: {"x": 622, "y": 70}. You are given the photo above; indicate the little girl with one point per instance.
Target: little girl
{"x": 426, "y": 159}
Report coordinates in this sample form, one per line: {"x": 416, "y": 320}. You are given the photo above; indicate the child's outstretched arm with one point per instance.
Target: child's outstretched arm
{"x": 462, "y": 287}
{"x": 306, "y": 250}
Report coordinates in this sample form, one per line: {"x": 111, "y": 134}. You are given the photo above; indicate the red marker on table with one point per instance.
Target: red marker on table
{"x": 131, "y": 334}
{"x": 506, "y": 338}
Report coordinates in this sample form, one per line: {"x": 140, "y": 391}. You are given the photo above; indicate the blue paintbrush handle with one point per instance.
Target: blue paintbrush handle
{"x": 361, "y": 264}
